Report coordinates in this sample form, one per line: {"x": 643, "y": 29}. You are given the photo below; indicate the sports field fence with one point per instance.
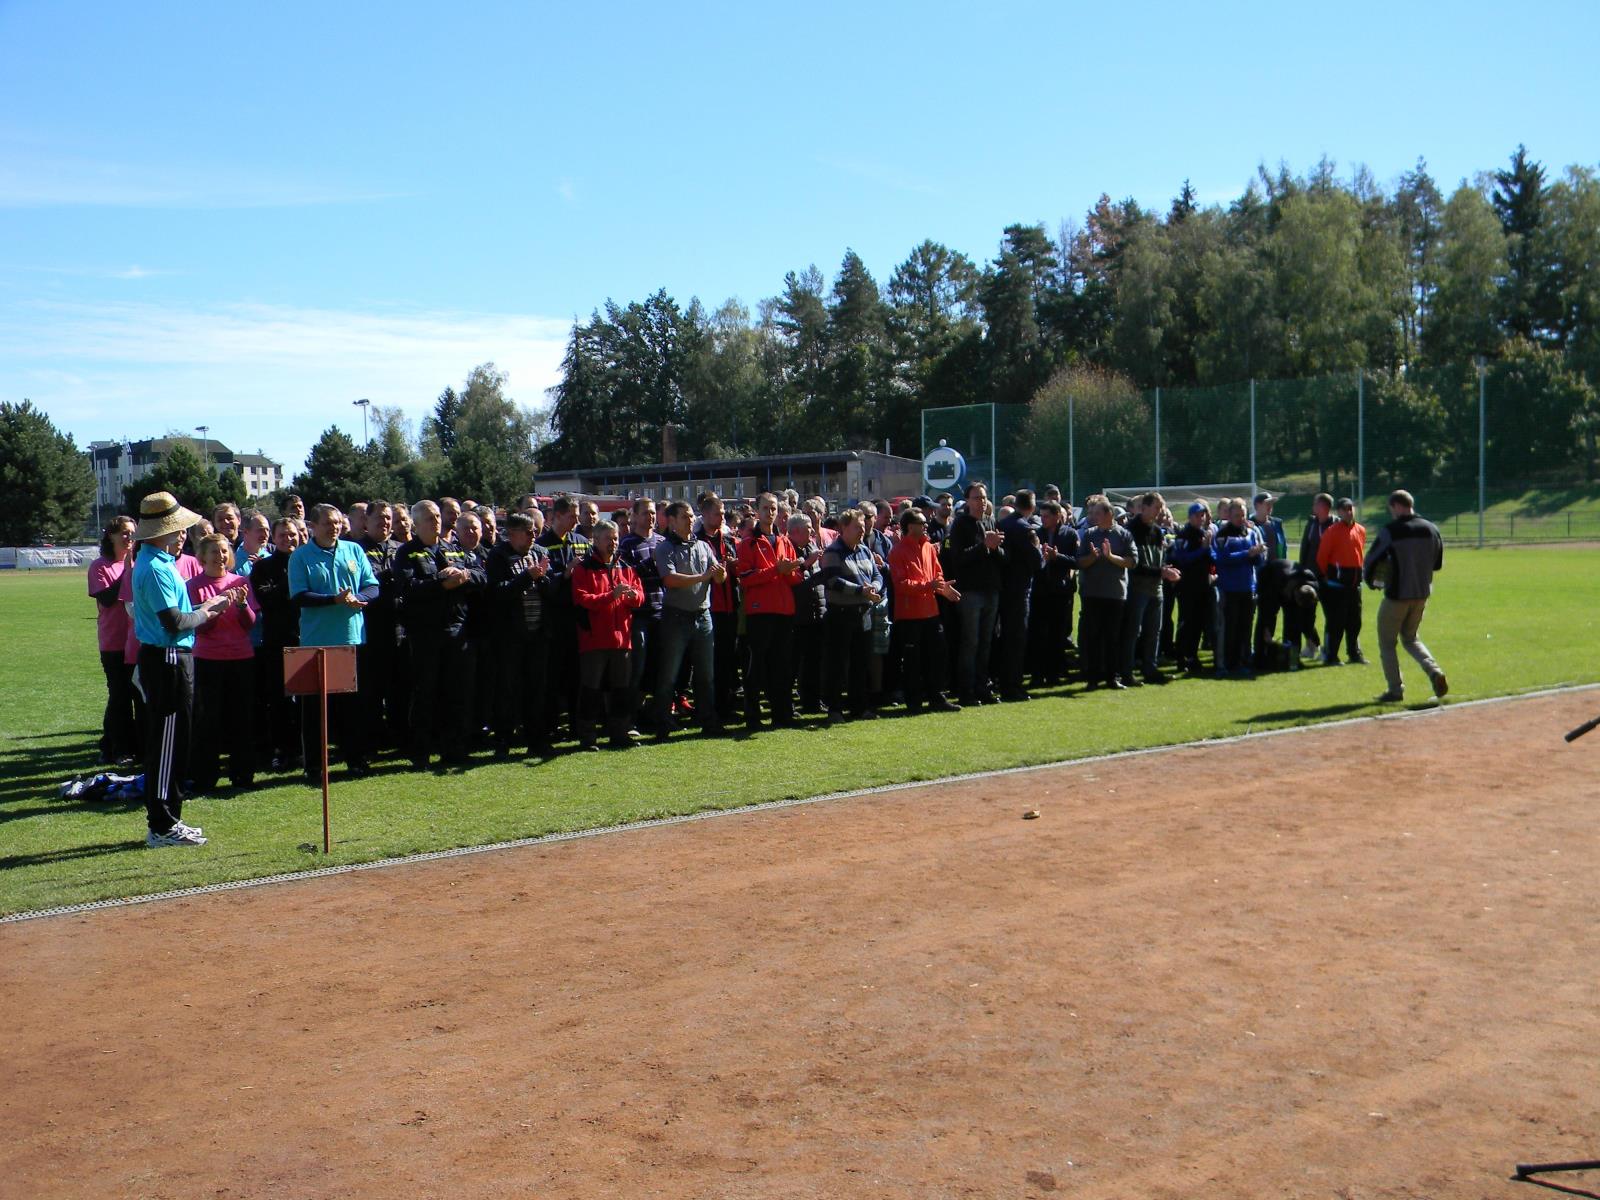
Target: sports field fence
{"x": 1492, "y": 456}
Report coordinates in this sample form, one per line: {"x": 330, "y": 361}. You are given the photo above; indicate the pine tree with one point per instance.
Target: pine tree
{"x": 46, "y": 484}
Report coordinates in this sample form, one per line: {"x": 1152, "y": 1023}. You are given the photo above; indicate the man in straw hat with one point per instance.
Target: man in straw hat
{"x": 165, "y": 620}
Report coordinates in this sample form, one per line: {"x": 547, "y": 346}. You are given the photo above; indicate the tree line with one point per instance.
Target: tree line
{"x": 1300, "y": 276}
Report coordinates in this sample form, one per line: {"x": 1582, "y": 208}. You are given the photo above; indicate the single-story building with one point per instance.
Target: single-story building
{"x": 837, "y": 475}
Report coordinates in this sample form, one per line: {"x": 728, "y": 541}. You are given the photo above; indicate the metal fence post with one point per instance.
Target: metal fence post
{"x": 994, "y": 467}
{"x": 1158, "y": 437}
{"x": 1253, "y": 433}
{"x": 1072, "y": 455}
{"x": 1482, "y": 479}
{"x": 1361, "y": 439}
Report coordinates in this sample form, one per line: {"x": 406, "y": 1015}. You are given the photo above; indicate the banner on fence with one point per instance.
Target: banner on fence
{"x": 37, "y": 558}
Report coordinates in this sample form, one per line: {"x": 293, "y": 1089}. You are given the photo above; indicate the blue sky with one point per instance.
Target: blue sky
{"x": 247, "y": 216}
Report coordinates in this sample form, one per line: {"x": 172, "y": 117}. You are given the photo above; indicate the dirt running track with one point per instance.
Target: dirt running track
{"x": 1268, "y": 969}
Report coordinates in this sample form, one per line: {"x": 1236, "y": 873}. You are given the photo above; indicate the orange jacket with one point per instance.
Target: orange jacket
{"x": 914, "y": 568}
{"x": 610, "y": 624}
{"x": 1341, "y": 546}
{"x": 766, "y": 589}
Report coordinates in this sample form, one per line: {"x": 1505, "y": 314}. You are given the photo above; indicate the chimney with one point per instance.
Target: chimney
{"x": 669, "y": 443}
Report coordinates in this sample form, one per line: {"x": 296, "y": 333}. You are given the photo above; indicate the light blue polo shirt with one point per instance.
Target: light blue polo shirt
{"x": 329, "y": 572}
{"x": 156, "y": 588}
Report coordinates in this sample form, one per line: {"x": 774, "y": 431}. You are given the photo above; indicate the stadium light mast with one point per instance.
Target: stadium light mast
{"x": 363, "y": 404}
{"x": 205, "y": 447}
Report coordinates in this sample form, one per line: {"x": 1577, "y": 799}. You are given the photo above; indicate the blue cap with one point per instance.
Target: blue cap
{"x": 1197, "y": 506}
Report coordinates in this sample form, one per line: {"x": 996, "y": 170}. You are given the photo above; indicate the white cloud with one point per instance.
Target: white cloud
{"x": 42, "y": 180}
{"x": 260, "y": 375}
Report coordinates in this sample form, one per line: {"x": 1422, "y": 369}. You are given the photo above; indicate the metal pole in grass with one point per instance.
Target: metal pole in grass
{"x": 1482, "y": 481}
{"x": 1072, "y": 456}
{"x": 994, "y": 468}
{"x": 1158, "y": 437}
{"x": 1252, "y": 433}
{"x": 1361, "y": 439}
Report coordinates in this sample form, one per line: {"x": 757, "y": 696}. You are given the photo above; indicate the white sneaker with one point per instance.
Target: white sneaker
{"x": 191, "y": 828}
{"x": 179, "y": 835}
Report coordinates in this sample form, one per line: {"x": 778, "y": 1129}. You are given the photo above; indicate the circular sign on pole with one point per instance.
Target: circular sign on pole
{"x": 943, "y": 467}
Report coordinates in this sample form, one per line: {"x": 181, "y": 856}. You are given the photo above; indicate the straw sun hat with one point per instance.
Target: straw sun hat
{"x": 160, "y": 514}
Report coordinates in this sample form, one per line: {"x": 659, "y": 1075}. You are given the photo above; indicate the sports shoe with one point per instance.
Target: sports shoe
{"x": 1390, "y": 698}
{"x": 1359, "y": 660}
{"x": 179, "y": 835}
{"x": 1441, "y": 685}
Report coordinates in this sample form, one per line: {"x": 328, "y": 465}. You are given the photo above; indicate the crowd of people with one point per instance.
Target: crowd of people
{"x": 511, "y": 632}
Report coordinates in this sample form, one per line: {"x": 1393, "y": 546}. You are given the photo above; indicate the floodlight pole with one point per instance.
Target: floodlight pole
{"x": 205, "y": 447}
{"x": 363, "y": 404}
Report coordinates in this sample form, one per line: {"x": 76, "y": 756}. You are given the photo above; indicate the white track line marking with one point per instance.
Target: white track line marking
{"x": 767, "y": 805}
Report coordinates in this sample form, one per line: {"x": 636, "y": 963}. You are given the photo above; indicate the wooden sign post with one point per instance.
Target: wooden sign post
{"x": 320, "y": 671}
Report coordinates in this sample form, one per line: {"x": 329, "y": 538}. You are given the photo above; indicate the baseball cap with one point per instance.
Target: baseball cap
{"x": 1263, "y": 498}
{"x": 1197, "y": 507}
{"x": 923, "y": 502}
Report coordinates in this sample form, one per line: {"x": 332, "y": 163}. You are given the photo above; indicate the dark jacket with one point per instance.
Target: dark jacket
{"x": 965, "y": 557}
{"x": 1311, "y": 539}
{"x": 269, "y": 580}
{"x": 1149, "y": 554}
{"x": 1272, "y": 533}
{"x": 1057, "y": 577}
{"x": 517, "y": 600}
{"x": 1021, "y": 556}
{"x": 1414, "y": 550}
{"x": 429, "y": 609}
{"x": 565, "y": 554}
{"x": 809, "y": 602}
{"x": 381, "y": 614}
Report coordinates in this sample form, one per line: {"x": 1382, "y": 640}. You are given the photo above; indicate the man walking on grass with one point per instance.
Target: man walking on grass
{"x": 1411, "y": 550}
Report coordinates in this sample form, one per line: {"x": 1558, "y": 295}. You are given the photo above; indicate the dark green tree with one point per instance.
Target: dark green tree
{"x": 496, "y": 442}
{"x": 1527, "y": 305}
{"x": 1418, "y": 211}
{"x": 46, "y": 483}
{"x": 339, "y": 473}
{"x": 439, "y": 429}
{"x": 1464, "y": 281}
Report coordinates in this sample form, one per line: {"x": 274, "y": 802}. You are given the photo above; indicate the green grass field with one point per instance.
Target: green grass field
{"x": 1503, "y": 621}
{"x": 1545, "y": 514}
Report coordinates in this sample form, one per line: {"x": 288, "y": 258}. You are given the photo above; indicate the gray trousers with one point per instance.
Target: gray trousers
{"x": 1399, "y": 620}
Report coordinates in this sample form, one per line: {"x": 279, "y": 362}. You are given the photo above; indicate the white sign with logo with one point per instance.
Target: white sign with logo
{"x": 942, "y": 468}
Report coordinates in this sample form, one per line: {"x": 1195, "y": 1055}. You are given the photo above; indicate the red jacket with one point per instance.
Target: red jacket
{"x": 766, "y": 589}
{"x": 610, "y": 624}
{"x": 914, "y": 568}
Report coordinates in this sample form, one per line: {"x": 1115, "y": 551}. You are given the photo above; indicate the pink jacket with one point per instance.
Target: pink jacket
{"x": 224, "y": 638}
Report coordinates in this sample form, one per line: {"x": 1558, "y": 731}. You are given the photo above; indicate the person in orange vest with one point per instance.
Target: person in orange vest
{"x": 1340, "y": 554}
